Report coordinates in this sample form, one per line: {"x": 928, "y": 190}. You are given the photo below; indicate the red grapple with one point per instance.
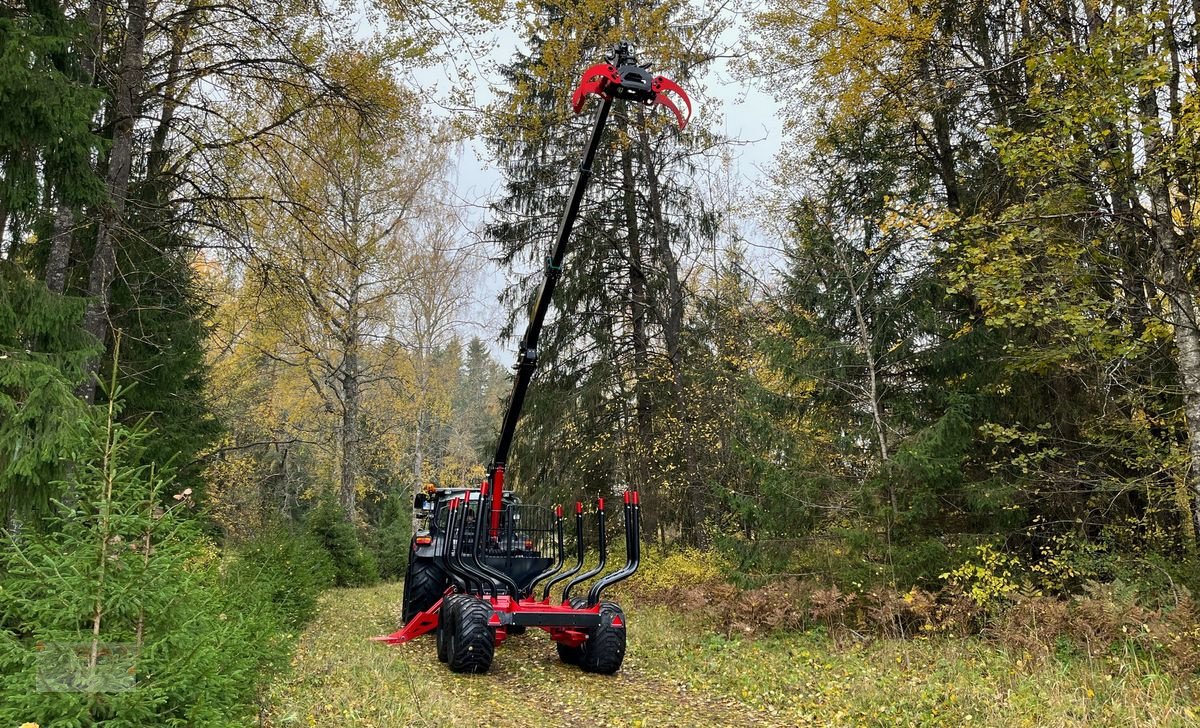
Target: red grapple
{"x": 633, "y": 83}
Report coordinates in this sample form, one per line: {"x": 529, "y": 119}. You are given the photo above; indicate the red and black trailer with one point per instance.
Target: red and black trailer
{"x": 486, "y": 566}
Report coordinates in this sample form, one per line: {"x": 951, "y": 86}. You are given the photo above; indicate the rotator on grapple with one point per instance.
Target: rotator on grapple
{"x": 473, "y": 573}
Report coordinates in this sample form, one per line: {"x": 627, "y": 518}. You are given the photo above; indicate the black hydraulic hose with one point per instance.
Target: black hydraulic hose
{"x": 443, "y": 557}
{"x": 527, "y": 352}
{"x": 560, "y": 559}
{"x": 580, "y": 547}
{"x": 633, "y": 549}
{"x": 566, "y": 597}
{"x": 498, "y": 578}
{"x": 454, "y": 534}
{"x": 486, "y": 584}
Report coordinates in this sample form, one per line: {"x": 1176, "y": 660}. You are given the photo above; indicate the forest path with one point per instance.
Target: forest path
{"x": 679, "y": 673}
{"x": 341, "y": 678}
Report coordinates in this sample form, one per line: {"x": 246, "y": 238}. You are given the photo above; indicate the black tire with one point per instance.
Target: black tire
{"x": 571, "y": 655}
{"x": 604, "y": 650}
{"x": 472, "y": 643}
{"x": 424, "y": 583}
{"x": 448, "y": 613}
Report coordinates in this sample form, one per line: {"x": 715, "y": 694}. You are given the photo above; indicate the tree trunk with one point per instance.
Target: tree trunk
{"x": 418, "y": 445}
{"x": 695, "y": 500}
{"x": 1187, "y": 343}
{"x": 130, "y": 79}
{"x": 60, "y": 249}
{"x": 4, "y": 252}
{"x": 347, "y": 492}
{"x": 867, "y": 341}
{"x": 64, "y": 217}
{"x": 1174, "y": 256}
{"x": 351, "y": 376}
{"x": 643, "y": 396}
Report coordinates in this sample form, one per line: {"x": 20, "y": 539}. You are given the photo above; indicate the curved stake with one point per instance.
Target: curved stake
{"x": 499, "y": 578}
{"x": 566, "y": 596}
{"x": 633, "y": 548}
{"x": 561, "y": 556}
{"x": 579, "y": 553}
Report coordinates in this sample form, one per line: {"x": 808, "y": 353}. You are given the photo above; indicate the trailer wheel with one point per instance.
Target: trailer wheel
{"x": 449, "y": 612}
{"x": 571, "y": 655}
{"x": 424, "y": 583}
{"x": 472, "y": 643}
{"x": 604, "y": 650}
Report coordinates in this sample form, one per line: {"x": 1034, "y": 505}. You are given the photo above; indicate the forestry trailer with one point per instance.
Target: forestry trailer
{"x": 486, "y": 565}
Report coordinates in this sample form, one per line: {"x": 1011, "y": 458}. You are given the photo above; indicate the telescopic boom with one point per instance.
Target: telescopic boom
{"x": 621, "y": 77}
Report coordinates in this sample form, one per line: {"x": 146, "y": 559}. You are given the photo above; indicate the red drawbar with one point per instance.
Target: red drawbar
{"x": 424, "y": 622}
{"x": 427, "y": 621}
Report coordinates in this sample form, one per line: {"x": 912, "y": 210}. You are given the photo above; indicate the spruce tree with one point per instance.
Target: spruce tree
{"x": 43, "y": 353}
{"x": 610, "y": 385}
{"x": 46, "y": 109}
{"x": 113, "y": 613}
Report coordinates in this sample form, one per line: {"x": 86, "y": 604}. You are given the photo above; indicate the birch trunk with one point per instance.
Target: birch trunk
{"x": 1173, "y": 260}
{"x": 347, "y": 492}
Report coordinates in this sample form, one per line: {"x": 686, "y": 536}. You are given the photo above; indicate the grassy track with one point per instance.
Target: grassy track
{"x": 677, "y": 675}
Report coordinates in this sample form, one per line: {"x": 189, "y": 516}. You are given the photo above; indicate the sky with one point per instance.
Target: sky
{"x": 742, "y": 111}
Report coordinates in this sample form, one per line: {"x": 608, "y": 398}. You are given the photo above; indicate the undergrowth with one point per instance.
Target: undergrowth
{"x": 117, "y": 610}
{"x": 1142, "y": 621}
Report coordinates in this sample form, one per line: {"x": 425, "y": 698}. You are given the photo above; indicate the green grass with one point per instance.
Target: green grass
{"x": 678, "y": 674}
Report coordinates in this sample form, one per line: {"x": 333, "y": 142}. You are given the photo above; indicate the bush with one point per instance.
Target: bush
{"x": 1106, "y": 618}
{"x": 390, "y": 540}
{"x": 353, "y": 564}
{"x": 989, "y": 580}
{"x": 662, "y": 570}
{"x": 284, "y": 571}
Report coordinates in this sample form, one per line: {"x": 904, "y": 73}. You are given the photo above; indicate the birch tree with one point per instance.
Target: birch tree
{"x": 332, "y": 247}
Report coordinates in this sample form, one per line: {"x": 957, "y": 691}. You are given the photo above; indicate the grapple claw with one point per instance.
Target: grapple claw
{"x": 663, "y": 86}
{"x": 624, "y": 78}
{"x": 595, "y": 82}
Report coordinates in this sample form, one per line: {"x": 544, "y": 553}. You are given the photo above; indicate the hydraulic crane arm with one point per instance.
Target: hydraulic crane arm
{"x": 620, "y": 78}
